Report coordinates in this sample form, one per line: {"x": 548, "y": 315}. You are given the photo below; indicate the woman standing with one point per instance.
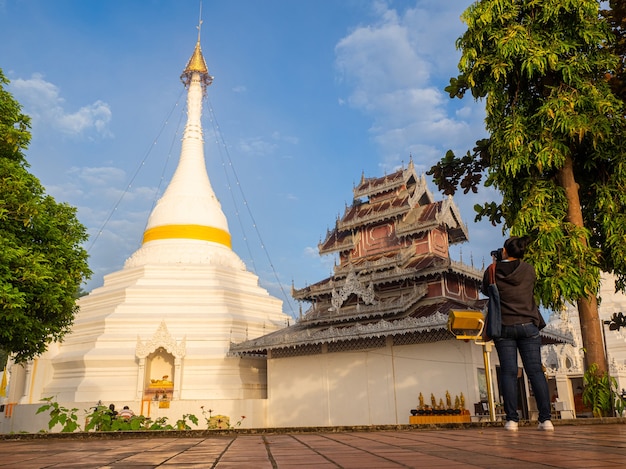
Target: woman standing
{"x": 521, "y": 322}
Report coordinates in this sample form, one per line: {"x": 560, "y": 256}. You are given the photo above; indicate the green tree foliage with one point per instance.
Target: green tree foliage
{"x": 616, "y": 17}
{"x": 556, "y": 146}
{"x": 42, "y": 262}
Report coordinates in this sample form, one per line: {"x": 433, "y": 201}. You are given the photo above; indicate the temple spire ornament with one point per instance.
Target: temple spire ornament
{"x": 197, "y": 64}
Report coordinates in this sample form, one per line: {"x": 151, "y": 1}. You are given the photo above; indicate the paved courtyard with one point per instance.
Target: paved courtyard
{"x": 569, "y": 446}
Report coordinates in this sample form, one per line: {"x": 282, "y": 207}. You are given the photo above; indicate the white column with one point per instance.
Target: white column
{"x": 177, "y": 377}
{"x": 141, "y": 378}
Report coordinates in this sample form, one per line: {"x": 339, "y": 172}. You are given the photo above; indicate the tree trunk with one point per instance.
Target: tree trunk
{"x": 590, "y": 326}
{"x": 591, "y": 331}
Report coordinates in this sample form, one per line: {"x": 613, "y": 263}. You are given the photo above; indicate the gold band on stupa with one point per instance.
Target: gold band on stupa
{"x": 203, "y": 233}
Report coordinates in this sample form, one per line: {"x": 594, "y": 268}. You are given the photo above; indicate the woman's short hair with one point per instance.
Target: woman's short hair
{"x": 516, "y": 246}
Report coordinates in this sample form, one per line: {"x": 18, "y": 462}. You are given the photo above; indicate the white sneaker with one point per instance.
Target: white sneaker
{"x": 511, "y": 425}
{"x": 546, "y": 426}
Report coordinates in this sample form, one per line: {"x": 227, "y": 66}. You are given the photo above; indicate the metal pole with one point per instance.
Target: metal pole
{"x": 486, "y": 351}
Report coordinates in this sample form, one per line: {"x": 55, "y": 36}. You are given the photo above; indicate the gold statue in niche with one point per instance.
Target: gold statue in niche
{"x": 160, "y": 363}
{"x": 161, "y": 383}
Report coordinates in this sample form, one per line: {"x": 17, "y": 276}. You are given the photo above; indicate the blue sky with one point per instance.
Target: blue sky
{"x": 307, "y": 97}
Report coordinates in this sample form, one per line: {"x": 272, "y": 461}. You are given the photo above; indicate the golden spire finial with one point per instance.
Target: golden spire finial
{"x": 197, "y": 63}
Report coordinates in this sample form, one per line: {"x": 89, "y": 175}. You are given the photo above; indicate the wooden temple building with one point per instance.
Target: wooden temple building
{"x": 394, "y": 266}
{"x": 394, "y": 278}
{"x": 375, "y": 336}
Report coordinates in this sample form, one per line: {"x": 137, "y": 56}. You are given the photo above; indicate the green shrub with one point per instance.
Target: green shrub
{"x": 67, "y": 418}
{"x": 598, "y": 392}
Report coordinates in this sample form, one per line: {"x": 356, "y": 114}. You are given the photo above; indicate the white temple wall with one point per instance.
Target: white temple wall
{"x": 24, "y": 418}
{"x": 228, "y": 378}
{"x": 370, "y": 387}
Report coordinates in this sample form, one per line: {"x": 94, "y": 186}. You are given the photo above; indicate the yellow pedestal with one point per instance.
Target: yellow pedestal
{"x": 430, "y": 419}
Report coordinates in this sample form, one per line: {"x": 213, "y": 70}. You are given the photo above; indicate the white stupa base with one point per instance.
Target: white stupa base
{"x": 163, "y": 320}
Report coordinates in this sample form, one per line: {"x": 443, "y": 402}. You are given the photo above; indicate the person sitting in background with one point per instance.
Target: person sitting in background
{"x": 112, "y": 412}
{"x": 126, "y": 413}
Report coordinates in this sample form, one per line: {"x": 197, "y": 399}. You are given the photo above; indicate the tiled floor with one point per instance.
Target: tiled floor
{"x": 570, "y": 446}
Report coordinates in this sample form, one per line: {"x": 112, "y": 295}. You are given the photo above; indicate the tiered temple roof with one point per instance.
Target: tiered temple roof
{"x": 394, "y": 280}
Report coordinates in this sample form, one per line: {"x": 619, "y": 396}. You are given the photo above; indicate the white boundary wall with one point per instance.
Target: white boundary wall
{"x": 371, "y": 387}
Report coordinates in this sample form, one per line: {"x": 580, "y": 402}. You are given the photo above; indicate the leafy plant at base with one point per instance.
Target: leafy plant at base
{"x": 598, "y": 391}
{"x": 158, "y": 424}
{"x": 218, "y": 422}
{"x": 181, "y": 424}
{"x": 100, "y": 419}
{"x": 207, "y": 419}
{"x": 67, "y": 418}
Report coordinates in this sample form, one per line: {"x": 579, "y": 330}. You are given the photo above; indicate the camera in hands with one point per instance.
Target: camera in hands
{"x": 497, "y": 254}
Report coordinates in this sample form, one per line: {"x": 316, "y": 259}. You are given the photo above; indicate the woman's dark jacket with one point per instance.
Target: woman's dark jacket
{"x": 516, "y": 283}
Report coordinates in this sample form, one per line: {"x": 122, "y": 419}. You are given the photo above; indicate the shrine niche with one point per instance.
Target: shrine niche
{"x": 160, "y": 360}
{"x": 159, "y": 383}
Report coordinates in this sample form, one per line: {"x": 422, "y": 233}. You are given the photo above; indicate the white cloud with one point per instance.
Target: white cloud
{"x": 43, "y": 102}
{"x": 311, "y": 252}
{"x": 377, "y": 60}
{"x": 107, "y": 184}
{"x": 257, "y": 146}
{"x": 285, "y": 138}
{"x": 396, "y": 71}
{"x": 98, "y": 176}
{"x": 96, "y": 115}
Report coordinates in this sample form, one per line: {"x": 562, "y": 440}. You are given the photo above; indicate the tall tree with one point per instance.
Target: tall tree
{"x": 555, "y": 150}
{"x": 42, "y": 262}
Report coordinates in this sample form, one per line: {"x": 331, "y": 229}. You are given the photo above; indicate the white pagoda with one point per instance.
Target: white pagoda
{"x": 156, "y": 335}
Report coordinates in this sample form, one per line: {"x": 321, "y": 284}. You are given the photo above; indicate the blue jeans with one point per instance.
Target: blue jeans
{"x": 525, "y": 338}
